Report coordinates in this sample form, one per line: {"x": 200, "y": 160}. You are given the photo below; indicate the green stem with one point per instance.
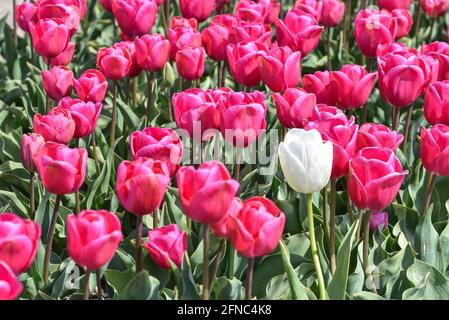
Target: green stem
{"x": 156, "y": 218}
{"x": 325, "y": 217}
{"x": 99, "y": 291}
{"x": 206, "y": 262}
{"x": 32, "y": 198}
{"x": 114, "y": 115}
{"x": 407, "y": 128}
{"x": 94, "y": 152}
{"x": 366, "y": 242}
{"x": 314, "y": 249}
{"x": 138, "y": 253}
{"x": 86, "y": 285}
{"x": 51, "y": 233}
{"x": 150, "y": 86}
{"x": 332, "y": 226}
{"x": 230, "y": 260}
{"x": 216, "y": 262}
{"x": 428, "y": 196}
{"x": 249, "y": 279}
{"x": 359, "y": 225}
{"x": 329, "y": 62}
{"x": 14, "y": 25}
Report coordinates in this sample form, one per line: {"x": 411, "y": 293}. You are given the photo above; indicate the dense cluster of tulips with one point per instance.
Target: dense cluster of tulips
{"x": 256, "y": 51}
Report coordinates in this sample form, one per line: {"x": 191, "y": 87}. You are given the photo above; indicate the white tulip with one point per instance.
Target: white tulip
{"x": 305, "y": 160}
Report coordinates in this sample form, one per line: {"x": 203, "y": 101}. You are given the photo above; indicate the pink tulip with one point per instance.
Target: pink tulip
{"x": 373, "y": 28}
{"x": 402, "y": 77}
{"x": 198, "y": 9}
{"x": 57, "y": 82}
{"x": 135, "y": 17}
{"x": 29, "y": 146}
{"x": 215, "y": 39}
{"x": 253, "y": 32}
{"x": 434, "y": 8}
{"x": 343, "y": 135}
{"x": 161, "y": 144}
{"x": 332, "y": 13}
{"x": 436, "y": 103}
{"x": 152, "y": 52}
{"x": 434, "y": 149}
{"x": 50, "y": 37}
{"x": 294, "y": 107}
{"x": 93, "y": 237}
{"x": 378, "y": 135}
{"x": 135, "y": 70}
{"x": 299, "y": 31}
{"x": 57, "y": 126}
{"x": 19, "y": 240}
{"x": 180, "y": 22}
{"x": 243, "y": 117}
{"x": 141, "y": 185}
{"x": 114, "y": 63}
{"x": 11, "y": 287}
{"x": 257, "y": 228}
{"x": 244, "y": 63}
{"x": 229, "y": 21}
{"x": 320, "y": 83}
{"x": 378, "y": 221}
{"x": 273, "y": 10}
{"x": 324, "y": 112}
{"x": 107, "y": 4}
{"x": 68, "y": 13}
{"x": 383, "y": 49}
{"x": 167, "y": 243}
{"x": 222, "y": 228}
{"x": 85, "y": 115}
{"x": 248, "y": 10}
{"x": 440, "y": 52}
{"x": 390, "y": 5}
{"x": 26, "y": 12}
{"x": 281, "y": 68}
{"x": 91, "y": 86}
{"x": 206, "y": 193}
{"x": 64, "y": 58}
{"x": 353, "y": 79}
{"x": 68, "y": 165}
{"x": 182, "y": 37}
{"x": 190, "y": 62}
{"x": 375, "y": 176}
{"x": 310, "y": 7}
{"x": 404, "y": 22}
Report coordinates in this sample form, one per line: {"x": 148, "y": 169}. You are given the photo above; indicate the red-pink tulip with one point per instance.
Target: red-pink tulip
{"x": 325, "y": 112}
{"x": 230, "y": 21}
{"x": 180, "y": 22}
{"x": 181, "y": 37}
{"x": 436, "y": 103}
{"x": 195, "y": 109}
{"x": 434, "y": 8}
{"x": 93, "y": 237}
{"x": 64, "y": 58}
{"x": 152, "y": 52}
{"x": 248, "y": 10}
{"x": 114, "y": 63}
{"x": 390, "y": 5}
{"x": 215, "y": 38}
{"x": 373, "y": 28}
{"x": 50, "y": 37}
{"x": 68, "y": 165}
{"x": 332, "y": 13}
{"x": 135, "y": 17}
{"x": 107, "y": 4}
{"x": 379, "y": 221}
{"x": 402, "y": 77}
{"x": 57, "y": 125}
{"x": 375, "y": 176}
{"x": 253, "y": 31}
{"x": 383, "y": 49}
{"x": 299, "y": 31}
{"x": 135, "y": 69}
{"x": 57, "y": 82}
{"x": 244, "y": 62}
{"x": 26, "y": 12}
{"x": 222, "y": 228}
{"x": 85, "y": 115}
{"x": 68, "y": 13}
{"x": 190, "y": 62}
{"x": 294, "y": 107}
{"x": 281, "y": 68}
{"x": 434, "y": 149}
{"x": 198, "y": 9}
{"x": 29, "y": 146}
{"x": 141, "y": 185}
{"x": 310, "y": 7}
{"x": 11, "y": 287}
{"x": 19, "y": 240}
{"x": 320, "y": 83}
{"x": 273, "y": 10}
{"x": 378, "y": 135}
{"x": 206, "y": 193}
{"x": 440, "y": 52}
{"x": 343, "y": 135}
{"x": 257, "y": 228}
{"x": 353, "y": 79}
{"x": 168, "y": 243}
{"x": 243, "y": 117}
{"x": 404, "y": 22}
{"x": 91, "y": 86}
{"x": 161, "y": 144}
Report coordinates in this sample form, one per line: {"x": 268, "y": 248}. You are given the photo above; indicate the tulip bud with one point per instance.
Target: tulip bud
{"x": 436, "y": 103}
{"x": 190, "y": 63}
{"x": 135, "y": 69}
{"x": 11, "y": 286}
{"x": 378, "y": 221}
{"x": 434, "y": 149}
{"x": 91, "y": 86}
{"x": 50, "y": 37}
{"x": 152, "y": 52}
{"x": 182, "y": 37}
{"x": 69, "y": 165}
{"x": 257, "y": 228}
{"x": 166, "y": 243}
{"x": 206, "y": 193}
{"x": 57, "y": 82}
{"x": 320, "y": 83}
{"x": 114, "y": 63}
{"x": 107, "y": 4}
{"x": 306, "y": 160}
{"x": 332, "y": 13}
{"x": 135, "y": 17}
{"x": 295, "y": 107}
{"x": 215, "y": 39}
{"x": 198, "y": 9}
{"x": 19, "y": 241}
{"x": 29, "y": 146}
{"x": 26, "y": 12}
{"x": 93, "y": 237}
{"x": 85, "y": 115}
{"x": 378, "y": 135}
{"x": 168, "y": 75}
{"x": 57, "y": 125}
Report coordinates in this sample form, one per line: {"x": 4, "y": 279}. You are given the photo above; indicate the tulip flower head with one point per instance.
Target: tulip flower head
{"x": 198, "y": 9}
{"x": 91, "y": 86}
{"x": 135, "y": 17}
{"x": 434, "y": 149}
{"x": 26, "y": 12}
{"x": 378, "y": 221}
{"x": 332, "y": 13}
{"x": 11, "y": 287}
{"x": 84, "y": 114}
{"x": 29, "y": 146}
{"x": 152, "y": 52}
{"x": 378, "y": 135}
{"x": 57, "y": 125}
{"x": 294, "y": 107}
{"x": 436, "y": 103}
{"x": 114, "y": 62}
{"x": 57, "y": 82}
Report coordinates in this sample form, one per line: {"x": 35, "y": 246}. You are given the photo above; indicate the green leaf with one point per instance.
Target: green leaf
{"x": 141, "y": 287}
{"x": 429, "y": 283}
{"x": 227, "y": 289}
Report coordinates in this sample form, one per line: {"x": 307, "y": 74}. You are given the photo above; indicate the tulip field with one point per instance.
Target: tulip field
{"x": 224, "y": 150}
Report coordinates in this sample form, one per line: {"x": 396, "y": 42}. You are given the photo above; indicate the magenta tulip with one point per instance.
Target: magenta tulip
{"x": 26, "y": 12}
{"x": 404, "y": 22}
{"x": 294, "y": 107}
{"x": 57, "y": 82}
{"x": 10, "y": 287}
{"x": 436, "y": 103}
{"x": 50, "y": 37}
{"x": 152, "y": 52}
{"x": 57, "y": 126}
{"x": 198, "y": 9}
{"x": 390, "y": 5}
{"x": 332, "y": 13}
{"x": 135, "y": 17}
{"x": 114, "y": 63}
{"x": 91, "y": 86}
{"x": 434, "y": 149}
{"x": 29, "y": 146}
{"x": 320, "y": 83}
{"x": 378, "y": 135}
{"x": 440, "y": 52}
{"x": 85, "y": 115}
